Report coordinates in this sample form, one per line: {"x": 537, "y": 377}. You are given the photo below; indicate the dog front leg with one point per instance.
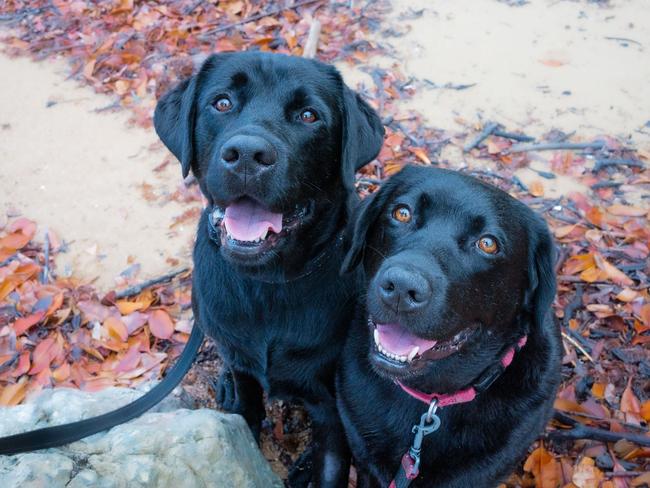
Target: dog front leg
{"x": 330, "y": 451}
{"x": 249, "y": 401}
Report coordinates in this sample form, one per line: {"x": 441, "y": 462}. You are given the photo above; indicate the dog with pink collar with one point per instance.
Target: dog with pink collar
{"x": 452, "y": 364}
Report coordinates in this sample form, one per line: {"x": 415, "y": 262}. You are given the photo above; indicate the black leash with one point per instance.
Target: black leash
{"x": 64, "y": 434}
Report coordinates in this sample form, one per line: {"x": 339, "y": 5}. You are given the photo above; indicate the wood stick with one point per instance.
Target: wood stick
{"x": 603, "y": 163}
{"x": 206, "y": 35}
{"x": 573, "y": 305}
{"x": 550, "y": 146}
{"x": 45, "y": 275}
{"x": 311, "y": 46}
{"x": 624, "y": 39}
{"x": 606, "y": 184}
{"x": 577, "y": 346}
{"x": 577, "y": 279}
{"x": 581, "y": 431}
{"x": 513, "y": 136}
{"x": 484, "y": 134}
{"x": 134, "y": 290}
{"x": 608, "y": 421}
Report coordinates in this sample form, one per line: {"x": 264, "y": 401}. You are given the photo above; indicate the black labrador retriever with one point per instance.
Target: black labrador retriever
{"x": 456, "y": 319}
{"x": 274, "y": 142}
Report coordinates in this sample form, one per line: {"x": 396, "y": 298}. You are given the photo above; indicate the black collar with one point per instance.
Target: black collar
{"x": 309, "y": 268}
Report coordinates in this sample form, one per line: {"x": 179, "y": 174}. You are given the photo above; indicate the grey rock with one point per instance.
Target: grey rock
{"x": 170, "y": 447}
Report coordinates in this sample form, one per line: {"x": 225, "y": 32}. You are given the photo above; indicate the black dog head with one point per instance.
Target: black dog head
{"x": 274, "y": 142}
{"x": 458, "y": 270}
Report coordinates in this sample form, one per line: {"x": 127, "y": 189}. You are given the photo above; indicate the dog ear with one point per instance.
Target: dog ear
{"x": 541, "y": 275}
{"x": 364, "y": 216}
{"x": 174, "y": 119}
{"x": 363, "y": 136}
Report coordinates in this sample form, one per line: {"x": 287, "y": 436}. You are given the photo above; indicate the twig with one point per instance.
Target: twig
{"x": 513, "y": 136}
{"x": 581, "y": 431}
{"x": 577, "y": 346}
{"x": 577, "y": 279}
{"x": 603, "y": 163}
{"x": 484, "y": 134}
{"x": 46, "y": 255}
{"x": 522, "y": 186}
{"x": 135, "y": 289}
{"x": 9, "y": 362}
{"x": 605, "y": 184}
{"x": 622, "y": 474}
{"x": 562, "y": 255}
{"x": 311, "y": 46}
{"x": 609, "y": 421}
{"x": 544, "y": 174}
{"x": 573, "y": 305}
{"x": 549, "y": 146}
{"x": 370, "y": 181}
{"x": 623, "y": 39}
{"x": 449, "y": 86}
{"x": 206, "y": 35}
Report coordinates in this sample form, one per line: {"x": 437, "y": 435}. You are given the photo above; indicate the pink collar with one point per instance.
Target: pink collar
{"x": 484, "y": 381}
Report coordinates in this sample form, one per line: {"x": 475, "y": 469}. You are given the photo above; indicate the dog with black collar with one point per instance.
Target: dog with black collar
{"x": 452, "y": 364}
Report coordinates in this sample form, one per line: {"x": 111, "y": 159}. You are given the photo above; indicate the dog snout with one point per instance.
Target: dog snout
{"x": 253, "y": 152}
{"x": 403, "y": 290}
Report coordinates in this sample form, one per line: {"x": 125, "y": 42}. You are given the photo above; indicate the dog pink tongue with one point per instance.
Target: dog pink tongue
{"x": 246, "y": 220}
{"x": 397, "y": 340}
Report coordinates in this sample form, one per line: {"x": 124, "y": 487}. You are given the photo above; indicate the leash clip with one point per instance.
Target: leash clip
{"x": 429, "y": 422}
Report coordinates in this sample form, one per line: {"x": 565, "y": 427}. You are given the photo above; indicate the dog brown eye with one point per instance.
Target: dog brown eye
{"x": 308, "y": 116}
{"x": 487, "y": 244}
{"x": 402, "y": 214}
{"x": 223, "y": 104}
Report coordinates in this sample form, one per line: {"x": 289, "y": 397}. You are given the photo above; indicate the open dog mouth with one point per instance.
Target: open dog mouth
{"x": 247, "y": 225}
{"x": 400, "y": 348}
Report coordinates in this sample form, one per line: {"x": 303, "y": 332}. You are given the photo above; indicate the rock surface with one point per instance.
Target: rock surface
{"x": 166, "y": 447}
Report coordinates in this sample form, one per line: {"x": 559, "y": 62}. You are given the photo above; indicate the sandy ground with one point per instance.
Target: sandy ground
{"x": 579, "y": 66}
{"x": 546, "y": 64}
{"x": 572, "y": 65}
{"x": 80, "y": 173}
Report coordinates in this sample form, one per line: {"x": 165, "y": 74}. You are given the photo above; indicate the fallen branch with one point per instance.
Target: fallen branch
{"x": 624, "y": 39}
{"x": 550, "y": 146}
{"x": 207, "y": 34}
{"x": 370, "y": 181}
{"x": 311, "y": 46}
{"x": 134, "y": 290}
{"x": 484, "y": 134}
{"x": 573, "y": 305}
{"x": 577, "y": 346}
{"x": 513, "y": 136}
{"x": 608, "y": 421}
{"x": 522, "y": 186}
{"x": 45, "y": 275}
{"x": 604, "y": 163}
{"x": 577, "y": 279}
{"x": 605, "y": 184}
{"x": 581, "y": 431}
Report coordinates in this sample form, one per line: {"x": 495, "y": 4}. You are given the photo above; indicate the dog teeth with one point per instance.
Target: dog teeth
{"x": 413, "y": 353}
{"x": 401, "y": 359}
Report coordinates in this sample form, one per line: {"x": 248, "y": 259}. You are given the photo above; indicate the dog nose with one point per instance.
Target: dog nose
{"x": 403, "y": 290}
{"x": 244, "y": 149}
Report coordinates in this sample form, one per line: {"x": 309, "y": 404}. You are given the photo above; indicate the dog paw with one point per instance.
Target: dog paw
{"x": 225, "y": 391}
{"x": 301, "y": 471}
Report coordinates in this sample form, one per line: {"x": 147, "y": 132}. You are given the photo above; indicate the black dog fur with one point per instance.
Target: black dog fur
{"x": 505, "y": 295}
{"x": 279, "y": 315}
